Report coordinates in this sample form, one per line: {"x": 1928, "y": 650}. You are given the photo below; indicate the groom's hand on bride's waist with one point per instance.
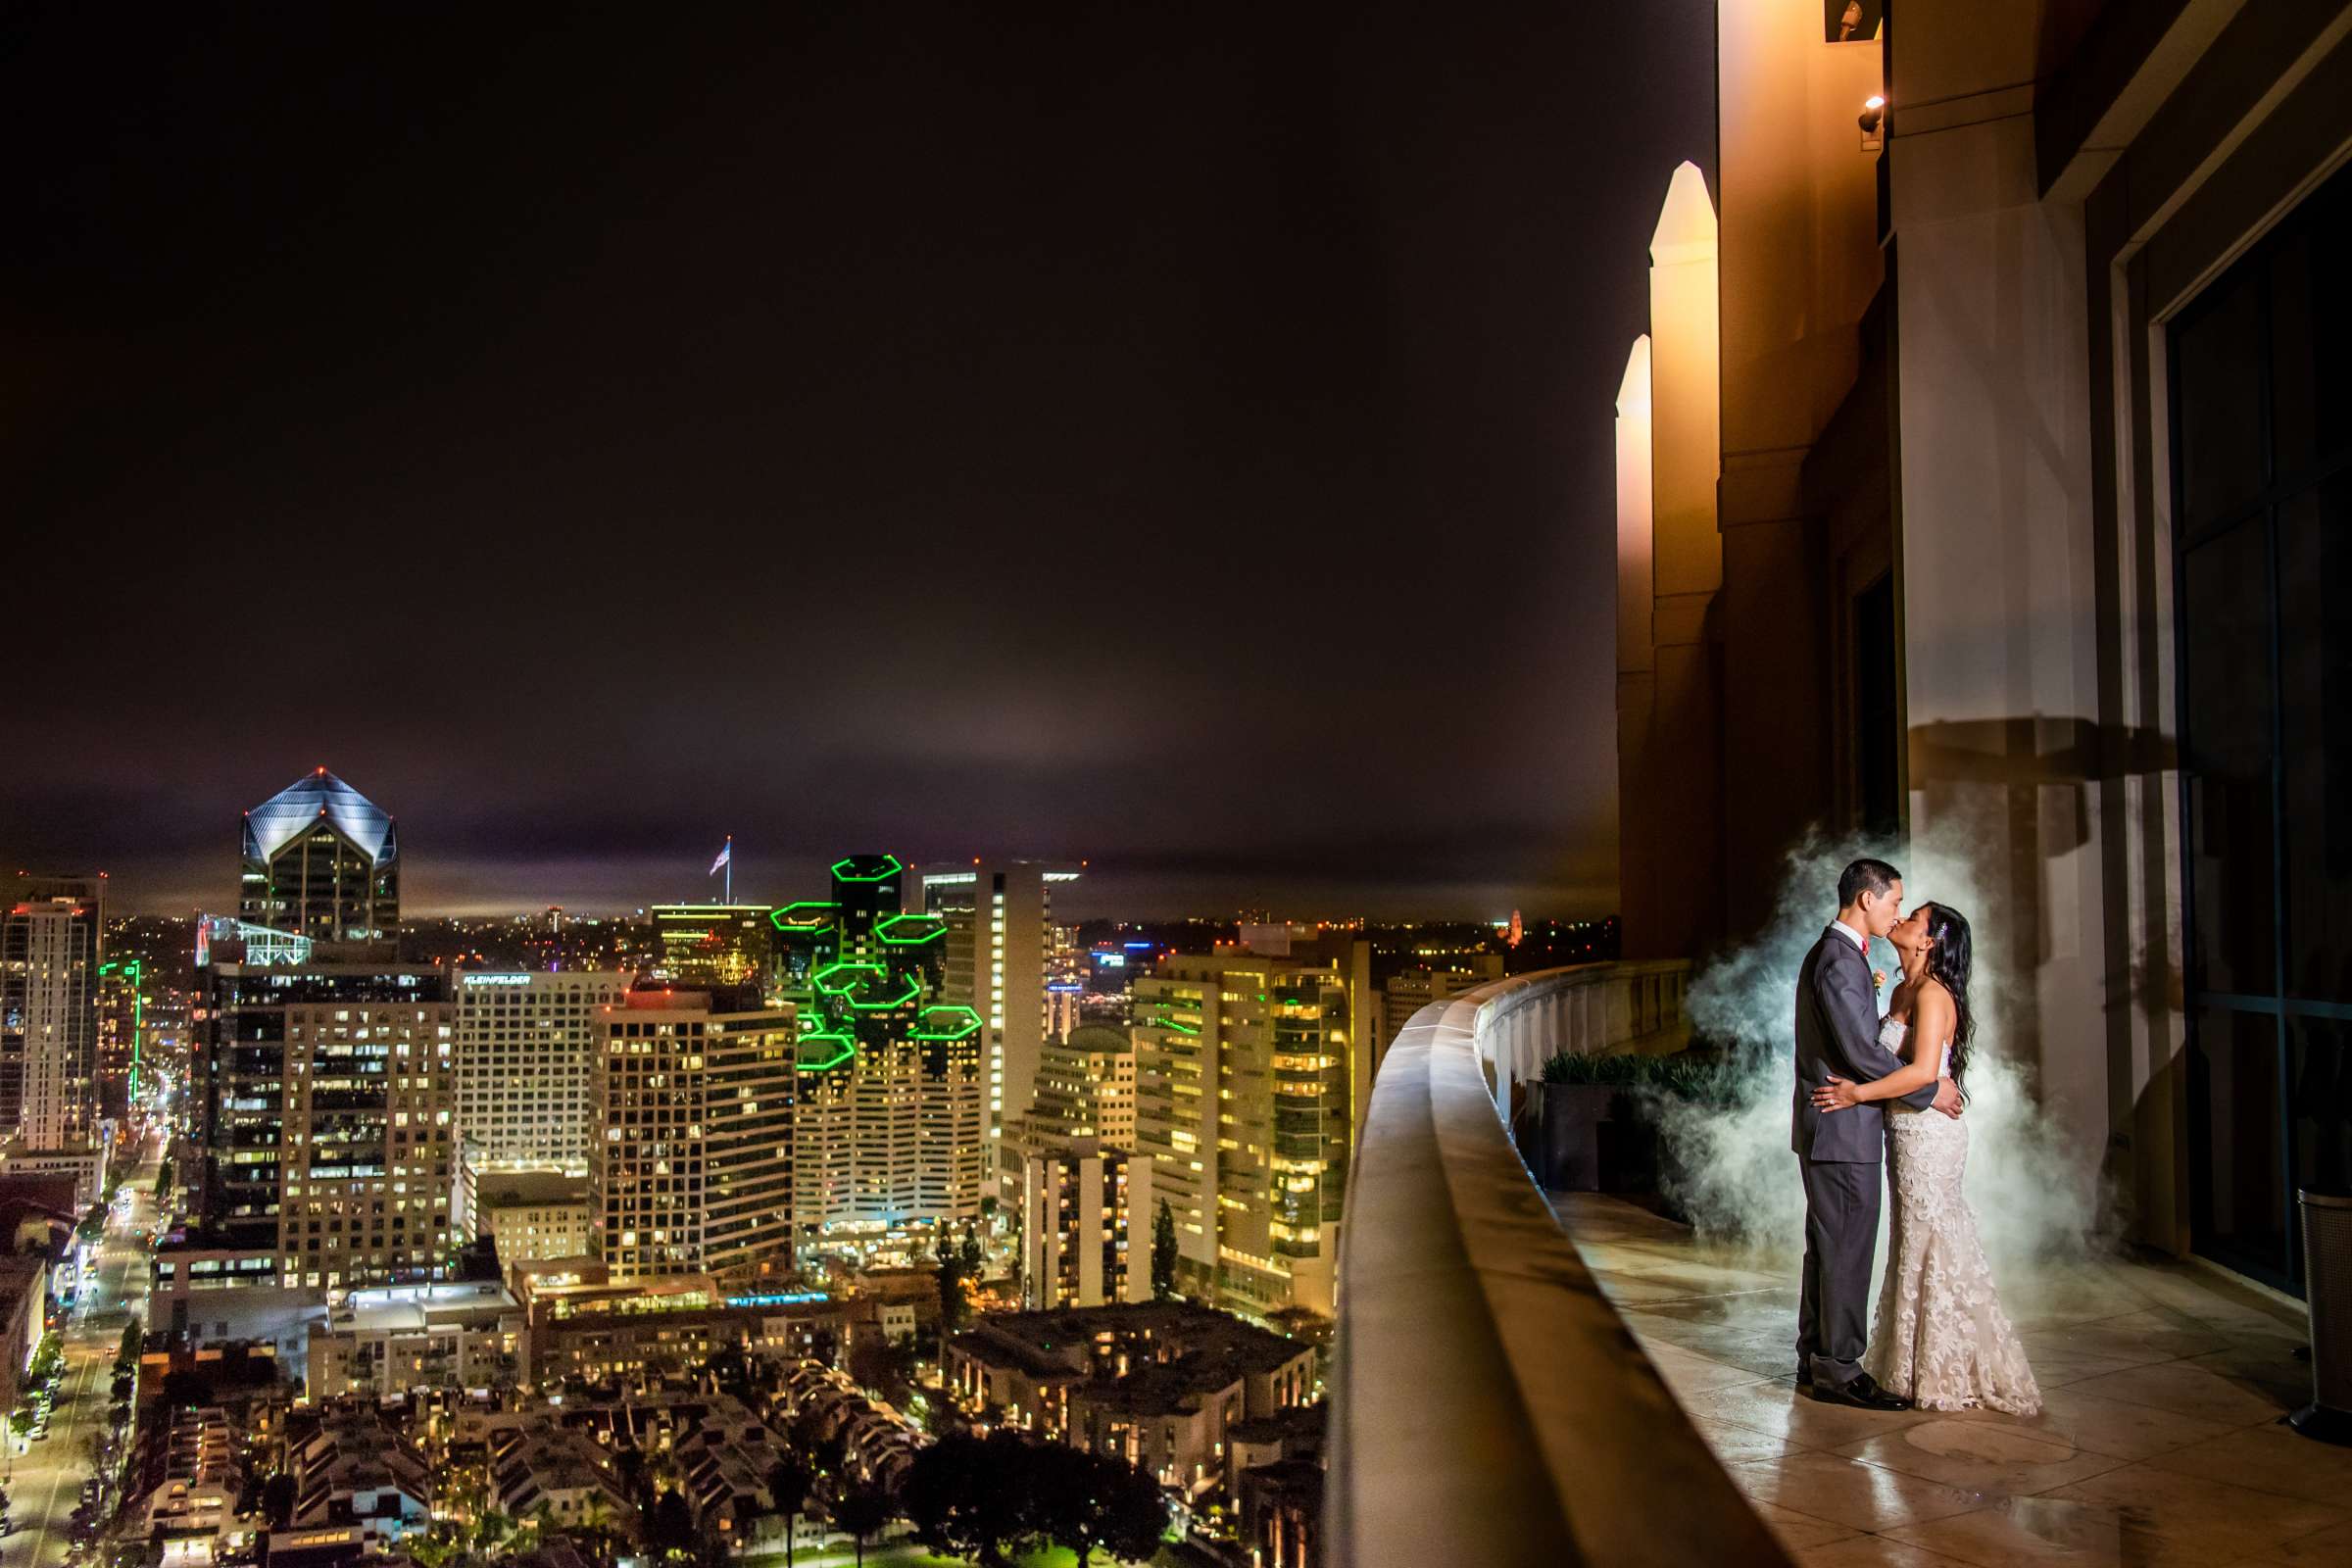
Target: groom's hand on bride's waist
{"x": 1947, "y": 1098}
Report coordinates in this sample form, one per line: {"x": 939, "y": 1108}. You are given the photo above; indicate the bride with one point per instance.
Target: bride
{"x": 1940, "y": 1337}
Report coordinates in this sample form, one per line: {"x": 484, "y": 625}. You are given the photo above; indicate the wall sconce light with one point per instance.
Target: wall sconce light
{"x": 1872, "y": 120}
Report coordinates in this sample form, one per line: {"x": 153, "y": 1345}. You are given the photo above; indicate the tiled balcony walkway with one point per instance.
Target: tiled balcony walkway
{"x": 2159, "y": 1441}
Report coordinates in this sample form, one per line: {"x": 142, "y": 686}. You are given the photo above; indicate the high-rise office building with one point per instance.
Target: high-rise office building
{"x": 726, "y": 945}
{"x": 1001, "y": 938}
{"x": 526, "y": 1047}
{"x": 892, "y": 1117}
{"x": 1242, "y": 1097}
{"x": 52, "y": 936}
{"x": 1086, "y": 1225}
{"x": 691, "y": 1142}
{"x": 322, "y": 862}
{"x": 1085, "y": 1089}
{"x": 327, "y": 1114}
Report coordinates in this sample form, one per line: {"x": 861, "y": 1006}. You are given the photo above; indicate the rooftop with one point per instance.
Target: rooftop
{"x": 272, "y": 825}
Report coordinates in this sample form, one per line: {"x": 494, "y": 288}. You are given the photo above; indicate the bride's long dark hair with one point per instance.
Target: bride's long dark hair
{"x": 1950, "y": 957}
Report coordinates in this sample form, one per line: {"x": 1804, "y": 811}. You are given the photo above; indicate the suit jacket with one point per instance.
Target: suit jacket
{"x": 1838, "y": 1031}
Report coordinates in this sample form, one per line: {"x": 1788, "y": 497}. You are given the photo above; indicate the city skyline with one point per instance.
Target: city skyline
{"x": 1289, "y": 884}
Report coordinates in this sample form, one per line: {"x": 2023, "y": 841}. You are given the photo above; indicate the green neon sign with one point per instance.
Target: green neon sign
{"x": 782, "y": 919}
{"x": 914, "y": 992}
{"x": 847, "y": 1053}
{"x": 962, "y": 1022}
{"x": 927, "y": 928}
{"x": 851, "y": 966}
{"x": 892, "y": 868}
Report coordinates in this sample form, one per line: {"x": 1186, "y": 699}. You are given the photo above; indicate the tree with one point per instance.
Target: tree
{"x": 134, "y": 1341}
{"x": 789, "y": 1480}
{"x": 862, "y": 1512}
{"x": 1164, "y": 1252}
{"x": 970, "y": 1255}
{"x": 883, "y": 1366}
{"x": 278, "y": 1500}
{"x": 673, "y": 1523}
{"x": 966, "y": 1497}
{"x": 1086, "y": 1500}
{"x": 954, "y": 1304}
{"x": 635, "y": 1476}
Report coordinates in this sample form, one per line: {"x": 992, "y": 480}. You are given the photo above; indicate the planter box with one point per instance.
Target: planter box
{"x": 1568, "y": 1137}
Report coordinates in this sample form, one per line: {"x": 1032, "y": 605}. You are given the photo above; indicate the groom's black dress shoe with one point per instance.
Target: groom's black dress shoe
{"x": 1863, "y": 1393}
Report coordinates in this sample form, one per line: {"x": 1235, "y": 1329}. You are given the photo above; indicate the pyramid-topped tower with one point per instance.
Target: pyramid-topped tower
{"x": 321, "y": 861}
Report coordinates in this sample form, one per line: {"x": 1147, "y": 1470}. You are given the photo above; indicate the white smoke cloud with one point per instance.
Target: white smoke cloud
{"x": 1735, "y": 1176}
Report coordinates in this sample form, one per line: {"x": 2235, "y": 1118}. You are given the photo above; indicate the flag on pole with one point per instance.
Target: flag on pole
{"x": 726, "y": 857}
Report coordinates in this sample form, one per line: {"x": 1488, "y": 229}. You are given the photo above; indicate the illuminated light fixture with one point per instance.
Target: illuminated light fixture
{"x": 791, "y": 918}
{"x": 847, "y": 1053}
{"x": 845, "y": 870}
{"x": 946, "y": 1020}
{"x": 849, "y": 966}
{"x": 914, "y": 992}
{"x": 909, "y": 930}
{"x": 1872, "y": 120}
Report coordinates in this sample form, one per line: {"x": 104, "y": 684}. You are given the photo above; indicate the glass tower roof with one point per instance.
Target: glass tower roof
{"x": 273, "y": 824}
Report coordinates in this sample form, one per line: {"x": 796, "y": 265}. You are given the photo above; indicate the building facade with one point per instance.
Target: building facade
{"x": 52, "y": 946}
{"x": 1086, "y": 1225}
{"x": 691, "y": 1138}
{"x": 1242, "y": 1088}
{"x": 526, "y": 1047}
{"x": 2009, "y": 331}
{"x": 326, "y": 1107}
{"x": 386, "y": 1342}
{"x": 892, "y": 1120}
{"x": 729, "y": 945}
{"x": 1085, "y": 1089}
{"x": 533, "y": 1217}
{"x": 321, "y": 861}
{"x": 1000, "y": 943}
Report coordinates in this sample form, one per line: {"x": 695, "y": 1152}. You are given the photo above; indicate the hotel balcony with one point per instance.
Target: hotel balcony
{"x": 1532, "y": 1376}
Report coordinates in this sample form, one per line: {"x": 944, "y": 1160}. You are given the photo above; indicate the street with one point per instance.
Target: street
{"x": 44, "y": 1485}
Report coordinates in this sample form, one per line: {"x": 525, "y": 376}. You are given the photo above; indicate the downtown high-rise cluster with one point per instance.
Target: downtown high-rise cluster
{"x": 883, "y": 1074}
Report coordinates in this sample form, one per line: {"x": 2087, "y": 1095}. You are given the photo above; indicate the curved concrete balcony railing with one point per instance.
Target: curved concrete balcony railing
{"x": 1487, "y": 1404}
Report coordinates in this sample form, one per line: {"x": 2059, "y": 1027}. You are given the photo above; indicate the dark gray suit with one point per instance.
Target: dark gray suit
{"x": 1840, "y": 1153}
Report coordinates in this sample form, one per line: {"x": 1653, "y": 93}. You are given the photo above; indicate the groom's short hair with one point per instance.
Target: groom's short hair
{"x": 1865, "y": 876}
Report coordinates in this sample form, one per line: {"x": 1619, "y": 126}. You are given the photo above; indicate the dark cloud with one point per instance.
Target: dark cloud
{"x": 1172, "y": 439}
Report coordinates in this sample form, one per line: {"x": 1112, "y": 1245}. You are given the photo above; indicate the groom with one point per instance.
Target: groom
{"x": 1840, "y": 1153}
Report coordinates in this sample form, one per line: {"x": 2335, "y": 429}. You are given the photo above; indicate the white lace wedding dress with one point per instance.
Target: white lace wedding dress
{"x": 1940, "y": 1337}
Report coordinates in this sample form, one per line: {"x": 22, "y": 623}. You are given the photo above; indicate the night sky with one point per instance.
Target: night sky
{"x": 1174, "y": 437}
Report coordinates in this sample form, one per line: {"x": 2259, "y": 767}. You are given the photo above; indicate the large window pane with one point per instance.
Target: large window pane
{"x": 2319, "y": 1101}
{"x": 2311, "y": 334}
{"x": 2240, "y": 1212}
{"x": 2315, "y": 696}
{"x": 2227, "y": 649}
{"x": 2221, "y": 371}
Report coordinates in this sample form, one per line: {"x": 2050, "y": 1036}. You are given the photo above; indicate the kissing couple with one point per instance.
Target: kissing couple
{"x": 1871, "y": 1090}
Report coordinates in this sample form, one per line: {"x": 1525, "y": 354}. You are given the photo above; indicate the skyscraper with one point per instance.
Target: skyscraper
{"x": 1085, "y": 1089}
{"x": 526, "y": 1047}
{"x": 691, "y": 1145}
{"x": 1086, "y": 1225}
{"x": 327, "y": 1109}
{"x": 321, "y": 861}
{"x": 714, "y": 944}
{"x": 999, "y": 938}
{"x": 892, "y": 1118}
{"x": 1241, "y": 1099}
{"x": 51, "y": 939}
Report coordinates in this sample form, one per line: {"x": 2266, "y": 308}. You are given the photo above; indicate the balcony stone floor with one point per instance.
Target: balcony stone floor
{"x": 2159, "y": 1440}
